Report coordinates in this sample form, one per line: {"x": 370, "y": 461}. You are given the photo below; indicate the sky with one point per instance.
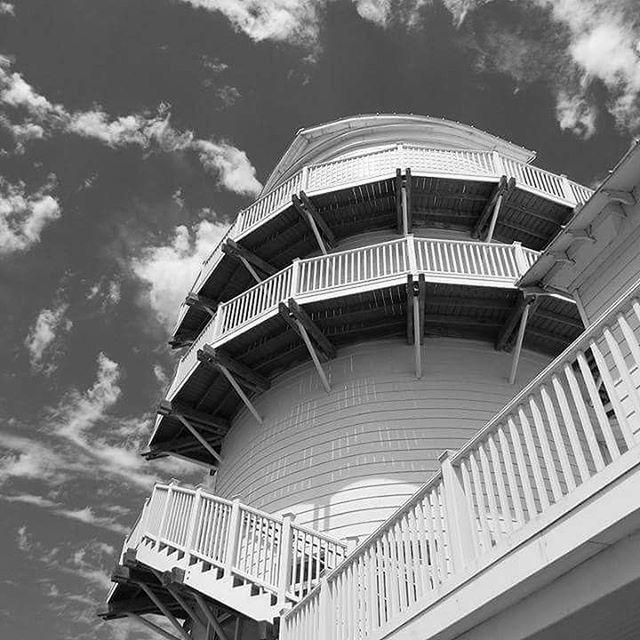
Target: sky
{"x": 131, "y": 134}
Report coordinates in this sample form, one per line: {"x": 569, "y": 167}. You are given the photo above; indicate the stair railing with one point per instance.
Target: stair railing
{"x": 272, "y": 552}
{"x": 553, "y": 439}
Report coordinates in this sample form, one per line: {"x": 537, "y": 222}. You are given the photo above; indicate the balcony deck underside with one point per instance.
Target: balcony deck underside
{"x": 271, "y": 347}
{"x": 436, "y": 203}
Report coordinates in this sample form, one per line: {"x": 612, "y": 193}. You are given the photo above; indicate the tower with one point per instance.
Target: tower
{"x": 370, "y": 311}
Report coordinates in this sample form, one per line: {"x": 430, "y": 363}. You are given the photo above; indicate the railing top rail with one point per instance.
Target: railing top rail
{"x": 577, "y": 345}
{"x": 317, "y": 534}
{"x": 355, "y": 250}
{"x": 479, "y": 243}
{"x": 256, "y": 286}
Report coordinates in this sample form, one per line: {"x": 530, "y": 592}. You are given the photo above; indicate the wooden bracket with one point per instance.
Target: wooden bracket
{"x": 292, "y": 313}
{"x": 404, "y": 216}
{"x": 299, "y": 321}
{"x": 165, "y": 612}
{"x": 201, "y": 302}
{"x": 250, "y": 260}
{"x": 217, "y": 359}
{"x": 504, "y": 340}
{"x": 211, "y": 618}
{"x": 308, "y": 212}
{"x": 492, "y": 208}
{"x": 416, "y": 298}
{"x": 202, "y": 420}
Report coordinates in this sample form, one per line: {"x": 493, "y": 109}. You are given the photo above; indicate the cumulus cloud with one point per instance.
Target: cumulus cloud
{"x": 6, "y": 8}
{"x": 43, "y": 335}
{"x": 152, "y": 132}
{"x": 168, "y": 270}
{"x": 23, "y": 216}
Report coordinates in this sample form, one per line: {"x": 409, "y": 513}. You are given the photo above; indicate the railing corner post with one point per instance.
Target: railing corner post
{"x": 566, "y": 189}
{"x": 165, "y": 511}
{"x": 304, "y": 179}
{"x": 234, "y": 536}
{"x": 193, "y": 520}
{"x": 295, "y": 278}
{"x": 325, "y": 610}
{"x": 498, "y": 165}
{"x": 284, "y": 567}
{"x": 521, "y": 261}
{"x": 458, "y": 519}
{"x": 412, "y": 255}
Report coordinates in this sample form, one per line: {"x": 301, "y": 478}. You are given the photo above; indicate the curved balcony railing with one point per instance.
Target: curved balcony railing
{"x": 568, "y": 435}
{"x": 270, "y": 551}
{"x": 382, "y": 164}
{"x": 359, "y": 270}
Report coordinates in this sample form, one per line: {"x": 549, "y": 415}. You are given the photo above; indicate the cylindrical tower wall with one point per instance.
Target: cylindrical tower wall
{"x": 344, "y": 461}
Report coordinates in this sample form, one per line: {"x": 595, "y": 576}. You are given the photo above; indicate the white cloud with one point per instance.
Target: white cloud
{"x": 24, "y": 216}
{"x": 151, "y": 132}
{"x": 575, "y": 114}
{"x": 294, "y": 21}
{"x": 170, "y": 269}
{"x": 43, "y": 334}
{"x": 6, "y": 8}
{"x": 233, "y": 167}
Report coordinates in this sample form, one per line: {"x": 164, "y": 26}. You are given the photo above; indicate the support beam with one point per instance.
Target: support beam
{"x": 308, "y": 219}
{"x": 165, "y": 612}
{"x": 204, "y": 421}
{"x": 213, "y": 621}
{"x": 150, "y": 625}
{"x": 324, "y": 344}
{"x": 518, "y": 346}
{"x": 493, "y": 206}
{"x": 502, "y": 341}
{"x": 410, "y": 303}
{"x": 183, "y": 340}
{"x": 295, "y": 323}
{"x": 399, "y": 198}
{"x": 243, "y": 396}
{"x": 198, "y": 436}
{"x": 416, "y": 297}
{"x": 201, "y": 302}
{"x": 623, "y": 197}
{"x": 408, "y": 189}
{"x": 250, "y": 260}
{"x": 182, "y": 444}
{"x": 217, "y": 358}
{"x": 309, "y": 213}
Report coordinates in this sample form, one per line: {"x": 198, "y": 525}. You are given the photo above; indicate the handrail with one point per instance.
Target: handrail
{"x": 573, "y": 421}
{"x": 380, "y": 163}
{"x": 453, "y": 261}
{"x": 272, "y": 552}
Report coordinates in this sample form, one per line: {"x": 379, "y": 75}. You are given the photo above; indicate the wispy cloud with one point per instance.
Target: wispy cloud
{"x": 6, "y": 8}
{"x": 169, "y": 269}
{"x": 44, "y": 334}
{"x": 24, "y": 216}
{"x": 37, "y": 117}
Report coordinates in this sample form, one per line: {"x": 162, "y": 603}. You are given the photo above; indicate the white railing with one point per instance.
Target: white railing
{"x": 556, "y": 437}
{"x": 274, "y": 553}
{"x": 382, "y": 163}
{"x": 383, "y": 264}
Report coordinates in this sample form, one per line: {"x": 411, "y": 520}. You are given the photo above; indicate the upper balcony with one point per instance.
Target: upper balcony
{"x": 360, "y": 192}
{"x": 410, "y": 286}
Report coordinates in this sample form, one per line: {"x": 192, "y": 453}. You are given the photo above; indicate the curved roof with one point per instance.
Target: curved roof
{"x": 341, "y": 137}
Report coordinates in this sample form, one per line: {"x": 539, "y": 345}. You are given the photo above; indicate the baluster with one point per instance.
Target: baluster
{"x": 596, "y": 403}
{"x": 546, "y": 449}
{"x": 572, "y": 432}
{"x": 522, "y": 469}
{"x": 585, "y": 421}
{"x": 478, "y": 492}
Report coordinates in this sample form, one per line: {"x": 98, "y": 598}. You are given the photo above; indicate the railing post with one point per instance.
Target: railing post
{"x": 400, "y": 151}
{"x": 216, "y": 329}
{"x": 193, "y": 520}
{"x": 295, "y": 278}
{"x": 458, "y": 519}
{"x": 165, "y": 511}
{"x": 304, "y": 179}
{"x": 520, "y": 259}
{"x": 411, "y": 255}
{"x": 498, "y": 165}
{"x": 233, "y": 537}
{"x": 566, "y": 189}
{"x": 284, "y": 568}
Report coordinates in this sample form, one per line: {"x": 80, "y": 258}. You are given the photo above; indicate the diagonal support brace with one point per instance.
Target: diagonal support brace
{"x": 321, "y": 231}
{"x": 250, "y": 260}
{"x": 201, "y": 302}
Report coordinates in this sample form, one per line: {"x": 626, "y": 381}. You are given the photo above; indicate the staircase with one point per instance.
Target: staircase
{"x": 244, "y": 559}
